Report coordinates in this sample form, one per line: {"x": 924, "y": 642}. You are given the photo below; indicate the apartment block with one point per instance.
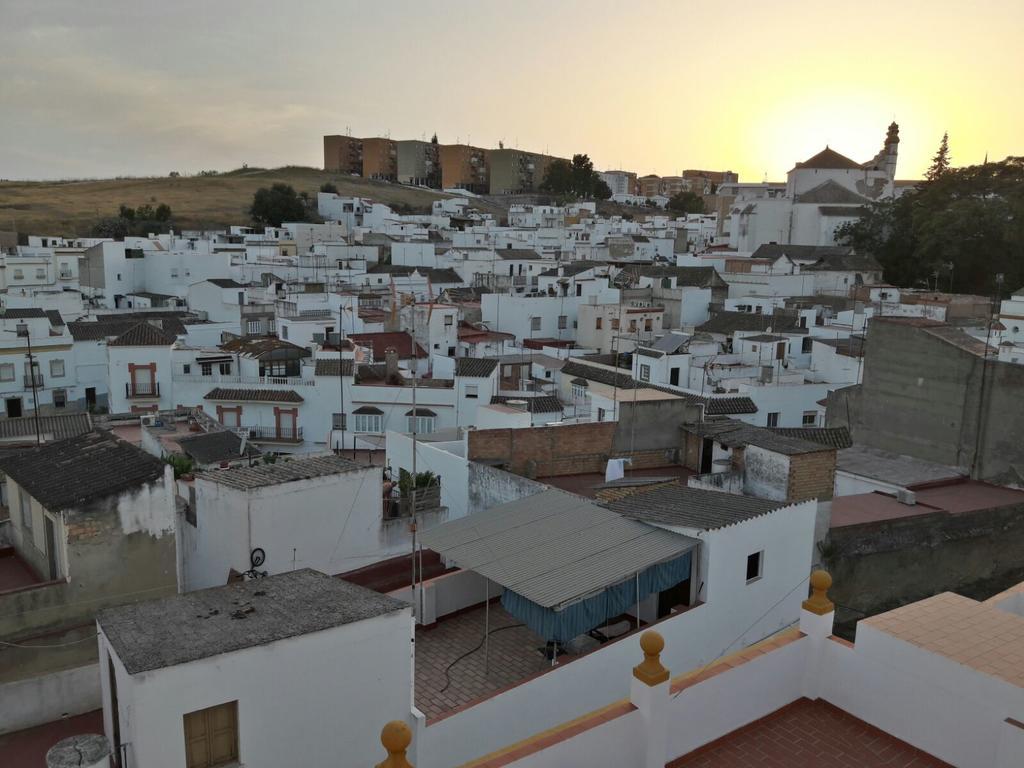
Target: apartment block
{"x": 380, "y": 159}
{"x": 465, "y": 167}
{"x": 419, "y": 163}
{"x": 514, "y": 171}
{"x": 343, "y": 154}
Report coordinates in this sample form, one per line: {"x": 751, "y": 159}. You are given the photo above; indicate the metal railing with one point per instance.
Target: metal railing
{"x": 427, "y": 499}
{"x": 218, "y": 378}
{"x": 142, "y": 389}
{"x": 275, "y": 434}
{"x": 27, "y": 379}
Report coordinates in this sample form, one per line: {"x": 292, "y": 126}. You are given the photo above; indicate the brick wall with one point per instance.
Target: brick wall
{"x": 812, "y": 476}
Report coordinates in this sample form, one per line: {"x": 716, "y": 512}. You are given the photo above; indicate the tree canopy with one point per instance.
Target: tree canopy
{"x": 686, "y": 202}
{"x": 964, "y": 224}
{"x": 276, "y": 205}
{"x": 328, "y": 186}
{"x": 575, "y": 180}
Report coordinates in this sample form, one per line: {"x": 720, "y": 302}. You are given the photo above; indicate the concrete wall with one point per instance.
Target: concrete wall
{"x": 924, "y": 397}
{"x": 46, "y": 698}
{"x": 878, "y": 566}
{"x": 300, "y": 701}
{"x": 490, "y": 487}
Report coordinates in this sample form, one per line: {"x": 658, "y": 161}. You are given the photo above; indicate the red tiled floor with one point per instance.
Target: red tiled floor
{"x": 808, "y": 733}
{"x": 15, "y": 572}
{"x": 27, "y": 749}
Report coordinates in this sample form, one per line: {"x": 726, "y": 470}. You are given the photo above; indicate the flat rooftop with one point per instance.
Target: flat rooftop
{"x": 955, "y": 499}
{"x": 892, "y": 468}
{"x": 176, "y": 630}
{"x": 808, "y": 733}
{"x": 590, "y": 483}
{"x": 446, "y": 682}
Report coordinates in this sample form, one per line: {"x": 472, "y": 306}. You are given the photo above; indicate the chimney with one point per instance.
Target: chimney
{"x": 390, "y": 364}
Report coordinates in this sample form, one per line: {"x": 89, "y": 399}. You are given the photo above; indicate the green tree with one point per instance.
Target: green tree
{"x": 329, "y": 187}
{"x": 162, "y": 212}
{"x": 966, "y": 224}
{"x": 686, "y": 202}
{"x": 277, "y": 204}
{"x": 940, "y": 163}
{"x": 574, "y": 179}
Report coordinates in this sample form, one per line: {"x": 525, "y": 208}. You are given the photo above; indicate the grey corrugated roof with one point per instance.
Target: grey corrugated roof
{"x": 675, "y": 504}
{"x": 671, "y": 342}
{"x": 290, "y": 471}
{"x": 223, "y": 445}
{"x": 197, "y": 625}
{"x": 554, "y": 548}
{"x": 50, "y": 427}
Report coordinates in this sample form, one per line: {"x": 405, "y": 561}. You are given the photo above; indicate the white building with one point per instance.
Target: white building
{"x": 250, "y": 673}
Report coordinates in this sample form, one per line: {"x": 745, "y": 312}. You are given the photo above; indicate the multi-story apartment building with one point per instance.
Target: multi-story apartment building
{"x": 514, "y": 171}
{"x": 380, "y": 159}
{"x": 465, "y": 167}
{"x": 620, "y": 182}
{"x": 343, "y": 154}
{"x": 419, "y": 163}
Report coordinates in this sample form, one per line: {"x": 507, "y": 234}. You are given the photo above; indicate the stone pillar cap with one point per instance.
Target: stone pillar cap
{"x": 650, "y": 670}
{"x": 818, "y": 603}
{"x": 396, "y": 738}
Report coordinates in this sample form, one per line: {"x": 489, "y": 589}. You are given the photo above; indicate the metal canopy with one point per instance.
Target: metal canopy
{"x": 554, "y": 548}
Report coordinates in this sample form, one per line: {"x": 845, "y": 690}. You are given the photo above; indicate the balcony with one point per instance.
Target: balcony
{"x": 219, "y": 378}
{"x": 33, "y": 381}
{"x": 274, "y": 434}
{"x": 142, "y": 390}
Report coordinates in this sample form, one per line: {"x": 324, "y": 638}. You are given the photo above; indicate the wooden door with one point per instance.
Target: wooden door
{"x": 211, "y": 736}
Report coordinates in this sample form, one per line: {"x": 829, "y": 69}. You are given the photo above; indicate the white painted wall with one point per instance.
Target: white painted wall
{"x": 300, "y": 700}
{"x": 43, "y": 699}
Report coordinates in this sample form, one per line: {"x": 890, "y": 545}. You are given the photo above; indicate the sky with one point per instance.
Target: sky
{"x": 103, "y": 88}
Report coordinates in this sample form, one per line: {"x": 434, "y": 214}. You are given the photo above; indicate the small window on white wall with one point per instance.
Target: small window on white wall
{"x": 755, "y": 566}
{"x": 57, "y": 368}
{"x": 645, "y": 373}
{"x": 7, "y": 372}
{"x": 810, "y": 418}
{"x": 471, "y": 390}
{"x": 773, "y": 419}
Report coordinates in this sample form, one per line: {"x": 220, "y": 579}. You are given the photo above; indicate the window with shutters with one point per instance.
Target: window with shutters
{"x": 211, "y": 736}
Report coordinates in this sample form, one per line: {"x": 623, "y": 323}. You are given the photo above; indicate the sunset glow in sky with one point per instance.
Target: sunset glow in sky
{"x": 101, "y": 88}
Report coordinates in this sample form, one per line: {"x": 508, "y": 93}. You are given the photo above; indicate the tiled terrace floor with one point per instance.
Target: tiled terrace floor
{"x": 515, "y": 654}
{"x": 808, "y": 734}
{"x": 15, "y": 572}
{"x": 28, "y": 748}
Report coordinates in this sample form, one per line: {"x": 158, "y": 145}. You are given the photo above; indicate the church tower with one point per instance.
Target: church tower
{"x": 886, "y": 159}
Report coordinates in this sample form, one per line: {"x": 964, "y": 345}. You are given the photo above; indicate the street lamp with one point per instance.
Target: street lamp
{"x": 22, "y": 332}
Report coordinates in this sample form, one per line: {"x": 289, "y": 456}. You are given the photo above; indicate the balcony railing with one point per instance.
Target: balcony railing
{"x": 218, "y": 378}
{"x": 275, "y": 434}
{"x": 142, "y": 389}
{"x": 427, "y": 499}
{"x": 28, "y": 379}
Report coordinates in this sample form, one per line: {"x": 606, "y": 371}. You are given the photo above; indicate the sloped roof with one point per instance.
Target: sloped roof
{"x": 93, "y": 465}
{"x": 691, "y": 277}
{"x": 831, "y": 437}
{"x": 290, "y": 471}
{"x": 378, "y": 342}
{"x": 254, "y": 395}
{"x": 55, "y": 319}
{"x": 59, "y": 427}
{"x": 111, "y": 326}
{"x": 478, "y": 367}
{"x": 732, "y": 432}
{"x": 799, "y": 253}
{"x": 829, "y": 159}
{"x": 223, "y": 445}
{"x": 143, "y": 335}
{"x": 554, "y": 547}
{"x": 541, "y": 404}
{"x": 831, "y": 192}
{"x": 675, "y": 504}
{"x": 726, "y": 322}
{"x": 528, "y": 254}
{"x": 330, "y": 366}
{"x": 259, "y": 346}
{"x": 845, "y": 262}
{"x": 572, "y": 268}
{"x": 21, "y": 313}
{"x": 225, "y": 282}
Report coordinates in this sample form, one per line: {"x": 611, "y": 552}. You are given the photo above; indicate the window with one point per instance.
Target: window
{"x": 600, "y": 414}
{"x": 26, "y": 509}
{"x": 563, "y": 322}
{"x": 422, "y": 425}
{"x": 7, "y": 372}
{"x": 368, "y": 422}
{"x": 598, "y": 323}
{"x": 449, "y": 320}
{"x": 206, "y": 369}
{"x": 615, "y": 323}
{"x": 579, "y": 391}
{"x": 18, "y": 274}
{"x": 471, "y": 390}
{"x": 534, "y": 323}
{"x": 186, "y": 368}
{"x": 755, "y": 563}
{"x": 810, "y": 418}
{"x": 174, "y": 272}
{"x": 225, "y": 369}
{"x": 41, "y": 273}
{"x": 57, "y": 368}
{"x": 118, "y": 276}
{"x": 60, "y": 398}
{"x": 284, "y": 332}
{"x": 579, "y": 289}
{"x": 254, "y": 327}
{"x": 808, "y": 344}
{"x": 632, "y": 326}
{"x": 645, "y": 373}
{"x": 773, "y": 419}
{"x": 211, "y": 736}
{"x": 649, "y": 324}
{"x": 338, "y": 421}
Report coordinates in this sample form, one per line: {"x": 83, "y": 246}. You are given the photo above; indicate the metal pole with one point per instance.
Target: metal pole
{"x": 638, "y": 599}
{"x": 32, "y": 374}
{"x": 341, "y": 379}
{"x": 487, "y": 626}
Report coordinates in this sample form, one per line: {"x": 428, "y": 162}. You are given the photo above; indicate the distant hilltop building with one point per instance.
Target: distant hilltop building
{"x": 819, "y": 195}
{"x": 482, "y": 171}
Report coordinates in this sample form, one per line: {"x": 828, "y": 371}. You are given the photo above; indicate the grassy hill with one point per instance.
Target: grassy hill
{"x": 198, "y": 202}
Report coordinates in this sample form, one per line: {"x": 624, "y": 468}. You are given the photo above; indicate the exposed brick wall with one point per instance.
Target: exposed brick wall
{"x": 546, "y": 451}
{"x": 812, "y": 476}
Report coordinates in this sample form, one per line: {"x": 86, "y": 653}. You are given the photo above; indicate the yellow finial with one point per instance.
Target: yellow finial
{"x": 396, "y": 738}
{"x": 818, "y": 602}
{"x": 649, "y": 670}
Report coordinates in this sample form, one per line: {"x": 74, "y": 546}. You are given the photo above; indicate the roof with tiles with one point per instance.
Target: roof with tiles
{"x": 692, "y": 277}
{"x": 543, "y": 404}
{"x": 229, "y": 394}
{"x": 832, "y": 437}
{"x": 476, "y": 367}
{"x": 225, "y": 282}
{"x": 951, "y": 626}
{"x": 107, "y": 327}
{"x": 21, "y": 313}
{"x": 291, "y": 471}
{"x": 260, "y": 346}
{"x": 144, "y": 335}
{"x": 831, "y": 192}
{"x": 379, "y": 342}
{"x": 56, "y": 427}
{"x": 727, "y": 322}
{"x": 680, "y": 505}
{"x": 93, "y": 465}
{"x": 527, "y": 254}
{"x": 829, "y": 159}
{"x": 156, "y": 634}
{"x": 223, "y": 445}
{"x": 330, "y": 366}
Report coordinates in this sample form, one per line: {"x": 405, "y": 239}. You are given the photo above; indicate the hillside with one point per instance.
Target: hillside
{"x": 198, "y": 202}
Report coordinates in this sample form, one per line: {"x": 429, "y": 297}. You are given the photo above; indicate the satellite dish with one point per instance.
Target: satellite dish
{"x": 257, "y": 557}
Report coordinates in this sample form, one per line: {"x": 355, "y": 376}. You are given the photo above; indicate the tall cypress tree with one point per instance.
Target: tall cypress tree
{"x": 940, "y": 163}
